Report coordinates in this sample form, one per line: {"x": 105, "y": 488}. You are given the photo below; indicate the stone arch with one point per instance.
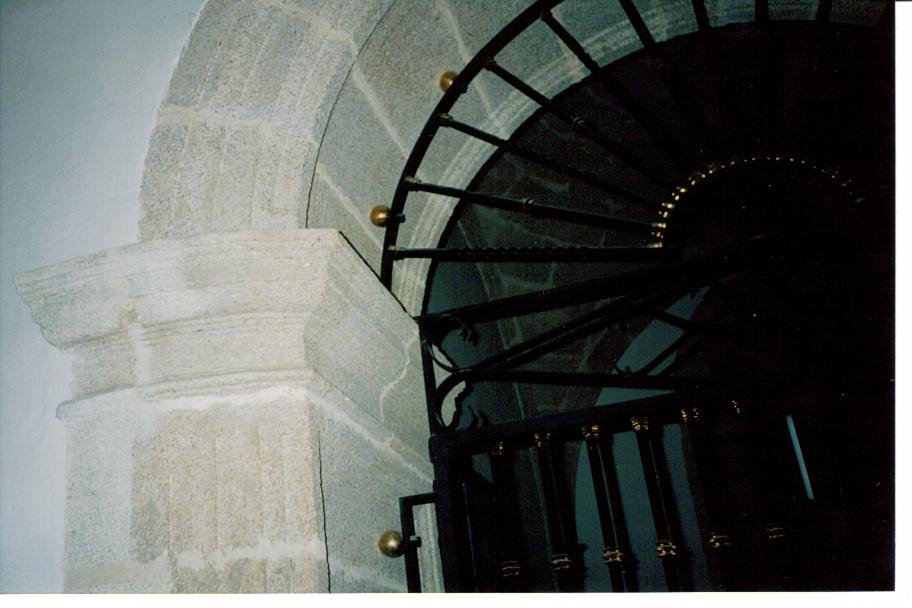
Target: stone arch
{"x": 281, "y": 114}
{"x": 284, "y": 114}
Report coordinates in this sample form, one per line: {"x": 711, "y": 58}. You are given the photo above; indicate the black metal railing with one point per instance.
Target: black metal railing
{"x": 506, "y": 487}
{"x": 727, "y": 543}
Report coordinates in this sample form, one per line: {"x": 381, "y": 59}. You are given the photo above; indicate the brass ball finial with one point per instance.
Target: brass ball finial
{"x": 447, "y": 79}
{"x": 380, "y": 215}
{"x": 390, "y": 544}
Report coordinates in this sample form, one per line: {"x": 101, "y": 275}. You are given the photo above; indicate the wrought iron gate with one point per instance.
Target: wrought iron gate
{"x": 712, "y": 306}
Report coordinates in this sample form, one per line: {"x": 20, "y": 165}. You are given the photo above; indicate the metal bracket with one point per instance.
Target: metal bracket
{"x": 410, "y": 541}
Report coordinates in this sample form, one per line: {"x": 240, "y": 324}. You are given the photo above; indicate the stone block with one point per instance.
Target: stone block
{"x": 98, "y": 522}
{"x": 198, "y": 464}
{"x": 409, "y": 280}
{"x": 331, "y": 205}
{"x": 260, "y": 62}
{"x": 107, "y": 361}
{"x": 188, "y": 82}
{"x": 359, "y": 166}
{"x": 667, "y": 18}
{"x": 222, "y": 489}
{"x": 356, "y": 18}
{"x": 357, "y": 462}
{"x": 206, "y": 174}
{"x": 793, "y": 10}
{"x": 475, "y": 23}
{"x": 605, "y": 33}
{"x": 723, "y": 12}
{"x": 379, "y": 113}
{"x": 398, "y": 80}
{"x": 234, "y": 145}
{"x": 402, "y": 402}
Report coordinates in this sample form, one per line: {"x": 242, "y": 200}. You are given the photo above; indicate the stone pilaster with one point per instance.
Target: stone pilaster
{"x": 247, "y": 410}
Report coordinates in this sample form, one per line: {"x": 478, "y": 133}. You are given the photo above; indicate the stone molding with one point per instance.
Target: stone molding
{"x": 222, "y": 304}
{"x": 247, "y": 410}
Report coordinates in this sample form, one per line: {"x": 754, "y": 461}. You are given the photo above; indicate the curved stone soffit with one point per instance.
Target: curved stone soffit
{"x": 285, "y": 113}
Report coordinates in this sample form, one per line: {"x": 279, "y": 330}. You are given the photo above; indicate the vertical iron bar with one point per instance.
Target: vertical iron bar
{"x": 700, "y": 14}
{"x": 609, "y": 511}
{"x": 430, "y": 381}
{"x": 720, "y": 525}
{"x": 412, "y": 569}
{"x": 761, "y": 11}
{"x": 823, "y": 11}
{"x": 661, "y": 501}
{"x": 507, "y": 516}
{"x": 564, "y": 561}
{"x": 452, "y": 528}
{"x": 769, "y": 451}
{"x": 407, "y": 522}
{"x": 479, "y": 506}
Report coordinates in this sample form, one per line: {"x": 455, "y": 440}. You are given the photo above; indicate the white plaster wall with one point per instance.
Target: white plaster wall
{"x": 80, "y": 84}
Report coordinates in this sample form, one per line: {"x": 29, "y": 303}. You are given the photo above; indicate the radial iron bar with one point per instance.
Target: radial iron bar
{"x": 692, "y": 272}
{"x": 658, "y": 133}
{"x": 556, "y": 337}
{"x": 579, "y": 125}
{"x": 533, "y": 255}
{"x": 507, "y": 146}
{"x": 616, "y": 551}
{"x": 661, "y": 500}
{"x": 712, "y": 486}
{"x": 597, "y": 379}
{"x": 565, "y": 555}
{"x": 639, "y": 26}
{"x": 699, "y": 8}
{"x": 532, "y": 206}
{"x": 572, "y": 43}
{"x": 663, "y": 356}
{"x": 669, "y": 76}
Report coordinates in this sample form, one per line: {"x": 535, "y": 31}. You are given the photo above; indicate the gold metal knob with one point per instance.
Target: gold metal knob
{"x": 390, "y": 544}
{"x": 380, "y": 215}
{"x": 447, "y": 79}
